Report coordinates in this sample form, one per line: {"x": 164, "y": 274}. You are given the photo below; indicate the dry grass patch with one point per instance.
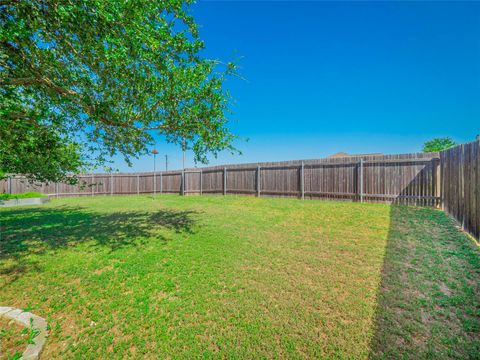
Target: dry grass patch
{"x": 13, "y": 339}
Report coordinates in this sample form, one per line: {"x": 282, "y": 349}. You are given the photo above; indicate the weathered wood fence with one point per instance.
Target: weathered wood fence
{"x": 460, "y": 177}
{"x": 450, "y": 180}
{"x": 408, "y": 178}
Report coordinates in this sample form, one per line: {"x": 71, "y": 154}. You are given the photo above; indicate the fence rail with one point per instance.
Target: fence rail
{"x": 408, "y": 178}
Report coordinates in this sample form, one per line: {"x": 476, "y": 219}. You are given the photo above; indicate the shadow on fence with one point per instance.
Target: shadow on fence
{"x": 422, "y": 189}
{"x": 429, "y": 290}
{"x": 36, "y": 230}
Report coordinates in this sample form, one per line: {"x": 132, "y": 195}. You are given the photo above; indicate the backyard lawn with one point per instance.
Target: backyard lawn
{"x": 241, "y": 277}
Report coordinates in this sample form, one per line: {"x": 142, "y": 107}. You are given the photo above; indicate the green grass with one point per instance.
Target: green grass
{"x": 239, "y": 277}
{"x": 429, "y": 298}
{"x": 26, "y": 195}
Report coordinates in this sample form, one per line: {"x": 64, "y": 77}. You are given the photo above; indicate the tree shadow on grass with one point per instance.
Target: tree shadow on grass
{"x": 428, "y": 300}
{"x": 36, "y": 230}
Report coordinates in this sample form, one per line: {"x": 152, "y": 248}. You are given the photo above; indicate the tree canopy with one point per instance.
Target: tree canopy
{"x": 438, "y": 144}
{"x": 81, "y": 81}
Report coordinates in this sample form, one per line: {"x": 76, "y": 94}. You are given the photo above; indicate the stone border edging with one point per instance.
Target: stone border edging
{"x": 34, "y": 350}
{"x": 27, "y": 201}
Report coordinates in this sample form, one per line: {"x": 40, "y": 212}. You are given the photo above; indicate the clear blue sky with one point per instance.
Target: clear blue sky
{"x": 323, "y": 77}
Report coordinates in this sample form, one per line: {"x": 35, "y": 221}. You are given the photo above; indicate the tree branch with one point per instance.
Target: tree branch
{"x": 38, "y": 81}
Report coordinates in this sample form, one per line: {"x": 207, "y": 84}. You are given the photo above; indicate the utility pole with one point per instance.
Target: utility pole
{"x": 166, "y": 162}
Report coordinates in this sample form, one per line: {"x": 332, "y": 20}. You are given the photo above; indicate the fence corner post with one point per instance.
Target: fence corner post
{"x": 201, "y": 181}
{"x": 437, "y": 183}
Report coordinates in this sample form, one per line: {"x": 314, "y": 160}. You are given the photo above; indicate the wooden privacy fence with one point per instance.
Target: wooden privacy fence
{"x": 450, "y": 180}
{"x": 460, "y": 176}
{"x": 408, "y": 179}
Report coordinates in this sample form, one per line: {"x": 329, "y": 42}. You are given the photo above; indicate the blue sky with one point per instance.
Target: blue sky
{"x": 323, "y": 77}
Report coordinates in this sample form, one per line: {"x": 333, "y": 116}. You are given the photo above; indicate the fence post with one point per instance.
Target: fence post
{"x": 437, "y": 183}
{"x": 9, "y": 183}
{"x": 161, "y": 182}
{"x": 138, "y": 184}
{"x": 361, "y": 180}
{"x": 93, "y": 180}
{"x": 302, "y": 180}
{"x": 201, "y": 181}
{"x": 258, "y": 181}
{"x": 224, "y": 181}
{"x": 56, "y": 189}
{"x": 111, "y": 184}
{"x": 442, "y": 181}
{"x": 463, "y": 194}
{"x": 183, "y": 182}
{"x": 154, "y": 184}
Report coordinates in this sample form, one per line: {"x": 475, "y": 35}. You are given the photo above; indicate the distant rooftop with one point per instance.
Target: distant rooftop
{"x": 344, "y": 154}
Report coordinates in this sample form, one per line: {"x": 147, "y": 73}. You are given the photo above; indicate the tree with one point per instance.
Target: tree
{"x": 81, "y": 81}
{"x": 438, "y": 144}
{"x": 39, "y": 152}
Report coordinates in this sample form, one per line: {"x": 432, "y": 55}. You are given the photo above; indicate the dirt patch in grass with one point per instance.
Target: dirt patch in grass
{"x": 13, "y": 339}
